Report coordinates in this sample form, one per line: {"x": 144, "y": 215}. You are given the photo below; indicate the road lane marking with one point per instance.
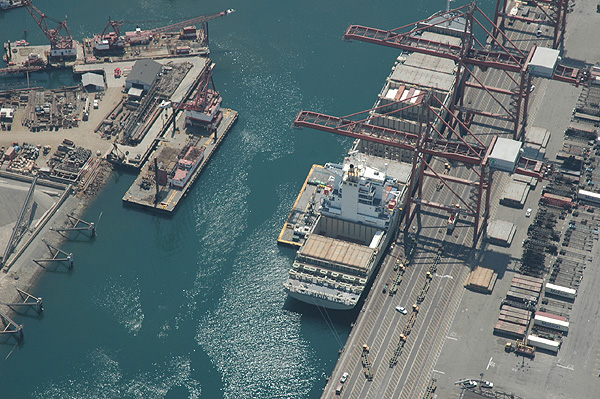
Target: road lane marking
{"x": 490, "y": 363}
{"x": 452, "y": 338}
{"x": 440, "y": 372}
{"x": 569, "y": 367}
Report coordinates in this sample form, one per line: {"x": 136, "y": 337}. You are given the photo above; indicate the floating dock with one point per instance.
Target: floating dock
{"x": 143, "y": 192}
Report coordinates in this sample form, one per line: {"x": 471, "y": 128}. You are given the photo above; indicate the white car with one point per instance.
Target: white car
{"x": 487, "y": 384}
{"x": 344, "y": 378}
{"x": 401, "y": 309}
{"x": 528, "y": 212}
{"x": 469, "y": 384}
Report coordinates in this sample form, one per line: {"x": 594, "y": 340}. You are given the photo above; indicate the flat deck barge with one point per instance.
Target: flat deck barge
{"x": 303, "y": 215}
{"x": 143, "y": 193}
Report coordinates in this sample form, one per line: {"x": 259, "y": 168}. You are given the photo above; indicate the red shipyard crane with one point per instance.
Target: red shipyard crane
{"x": 110, "y": 41}
{"x": 204, "y": 109}
{"x": 60, "y": 46}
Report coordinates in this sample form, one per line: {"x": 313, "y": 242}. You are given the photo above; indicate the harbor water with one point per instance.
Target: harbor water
{"x": 193, "y": 306}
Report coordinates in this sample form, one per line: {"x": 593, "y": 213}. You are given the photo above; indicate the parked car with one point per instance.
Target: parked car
{"x": 401, "y": 309}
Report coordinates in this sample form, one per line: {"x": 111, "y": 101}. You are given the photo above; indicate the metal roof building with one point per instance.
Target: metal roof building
{"x": 543, "y": 62}
{"x": 143, "y": 74}
{"x": 92, "y": 81}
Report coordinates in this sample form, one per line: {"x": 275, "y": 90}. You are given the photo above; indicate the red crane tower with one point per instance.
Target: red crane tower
{"x": 502, "y": 54}
{"x": 551, "y": 13}
{"x": 203, "y": 20}
{"x": 110, "y": 41}
{"x": 60, "y": 46}
{"x": 189, "y": 29}
{"x": 204, "y": 110}
{"x": 441, "y": 132}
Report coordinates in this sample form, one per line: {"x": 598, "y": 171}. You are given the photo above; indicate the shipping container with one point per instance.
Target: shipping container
{"x": 10, "y": 154}
{"x": 552, "y": 316}
{"x": 510, "y": 329}
{"x": 532, "y": 280}
{"x": 183, "y": 50}
{"x": 529, "y": 278}
{"x": 557, "y": 200}
{"x": 515, "y": 313}
{"x": 514, "y": 320}
{"x": 543, "y": 343}
{"x": 513, "y": 309}
{"x": 527, "y": 287}
{"x": 588, "y": 196}
{"x": 561, "y": 291}
{"x": 554, "y": 324}
{"x": 520, "y": 297}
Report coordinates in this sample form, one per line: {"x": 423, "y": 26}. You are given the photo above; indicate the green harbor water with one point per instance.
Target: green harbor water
{"x": 193, "y": 306}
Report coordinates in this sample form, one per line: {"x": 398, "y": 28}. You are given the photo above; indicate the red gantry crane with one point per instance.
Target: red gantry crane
{"x": 501, "y": 54}
{"x": 442, "y": 132}
{"x": 61, "y": 46}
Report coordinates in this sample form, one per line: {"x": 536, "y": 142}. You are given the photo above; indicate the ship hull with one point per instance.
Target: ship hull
{"x": 325, "y": 303}
{"x": 319, "y": 302}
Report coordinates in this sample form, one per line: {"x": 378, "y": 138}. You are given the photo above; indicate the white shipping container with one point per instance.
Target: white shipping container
{"x": 554, "y": 324}
{"x": 543, "y": 343}
{"x": 561, "y": 291}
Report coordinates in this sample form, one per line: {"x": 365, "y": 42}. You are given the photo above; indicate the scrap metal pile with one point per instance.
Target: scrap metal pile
{"x": 542, "y": 238}
{"x": 68, "y": 160}
{"x": 52, "y": 109}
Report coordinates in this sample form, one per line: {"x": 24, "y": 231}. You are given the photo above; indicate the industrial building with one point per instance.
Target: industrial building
{"x": 515, "y": 194}
{"x": 501, "y": 232}
{"x": 143, "y": 75}
{"x": 92, "y": 81}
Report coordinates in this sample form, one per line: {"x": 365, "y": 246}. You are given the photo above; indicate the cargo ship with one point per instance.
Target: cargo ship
{"x": 343, "y": 226}
{"x": 357, "y": 217}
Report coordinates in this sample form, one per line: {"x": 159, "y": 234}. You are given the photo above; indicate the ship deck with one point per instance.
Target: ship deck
{"x": 300, "y": 211}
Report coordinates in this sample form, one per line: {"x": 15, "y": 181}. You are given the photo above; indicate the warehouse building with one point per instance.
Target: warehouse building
{"x": 143, "y": 75}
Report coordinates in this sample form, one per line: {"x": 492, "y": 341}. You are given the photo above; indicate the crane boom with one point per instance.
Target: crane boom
{"x": 202, "y": 19}
{"x": 59, "y": 45}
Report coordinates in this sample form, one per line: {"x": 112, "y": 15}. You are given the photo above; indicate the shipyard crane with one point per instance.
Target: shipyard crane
{"x": 198, "y": 20}
{"x": 110, "y": 41}
{"x": 60, "y": 46}
{"x": 204, "y": 108}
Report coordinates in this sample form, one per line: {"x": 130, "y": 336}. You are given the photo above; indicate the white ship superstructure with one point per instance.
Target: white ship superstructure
{"x": 359, "y": 211}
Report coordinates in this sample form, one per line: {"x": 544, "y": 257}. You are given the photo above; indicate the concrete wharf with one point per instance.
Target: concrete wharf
{"x": 453, "y": 329}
